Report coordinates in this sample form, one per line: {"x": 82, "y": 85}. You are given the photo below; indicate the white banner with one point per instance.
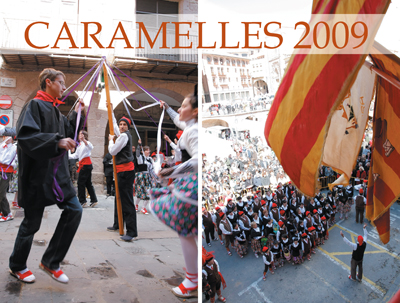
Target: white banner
{"x": 347, "y": 126}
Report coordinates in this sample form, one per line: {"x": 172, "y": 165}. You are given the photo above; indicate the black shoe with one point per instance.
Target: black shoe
{"x": 112, "y": 228}
{"x": 83, "y": 204}
{"x": 127, "y": 238}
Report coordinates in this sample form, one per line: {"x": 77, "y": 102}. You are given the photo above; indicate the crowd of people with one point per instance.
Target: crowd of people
{"x": 46, "y": 158}
{"x": 219, "y": 109}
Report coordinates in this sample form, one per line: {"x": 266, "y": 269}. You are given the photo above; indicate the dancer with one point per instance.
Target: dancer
{"x": 122, "y": 150}
{"x": 43, "y": 133}
{"x": 212, "y": 277}
{"x": 176, "y": 205}
{"x": 143, "y": 177}
{"x": 7, "y": 162}
{"x": 83, "y": 152}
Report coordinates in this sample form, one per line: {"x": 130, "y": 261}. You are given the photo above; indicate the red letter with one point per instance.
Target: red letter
{"x": 279, "y": 36}
{"x": 246, "y": 34}
{"x": 146, "y": 34}
{"x": 27, "y": 34}
{"x": 201, "y": 37}
{"x": 223, "y": 45}
{"x": 177, "y": 34}
{"x": 68, "y": 34}
{"x": 123, "y": 34}
{"x": 86, "y": 38}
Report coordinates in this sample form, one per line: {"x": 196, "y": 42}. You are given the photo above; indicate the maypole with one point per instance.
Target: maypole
{"x": 111, "y": 125}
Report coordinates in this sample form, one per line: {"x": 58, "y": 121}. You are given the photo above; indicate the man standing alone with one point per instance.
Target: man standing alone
{"x": 358, "y": 254}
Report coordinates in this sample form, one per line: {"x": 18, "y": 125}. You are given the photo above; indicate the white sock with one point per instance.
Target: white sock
{"x": 189, "y": 249}
{"x": 24, "y": 271}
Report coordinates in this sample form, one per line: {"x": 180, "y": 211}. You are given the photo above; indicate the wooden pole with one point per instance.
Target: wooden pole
{"x": 382, "y": 74}
{"x": 111, "y": 125}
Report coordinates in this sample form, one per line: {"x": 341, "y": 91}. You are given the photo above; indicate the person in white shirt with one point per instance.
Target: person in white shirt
{"x": 82, "y": 153}
{"x": 8, "y": 153}
{"x": 358, "y": 254}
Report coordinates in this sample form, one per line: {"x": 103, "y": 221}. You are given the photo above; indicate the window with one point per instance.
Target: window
{"x": 155, "y": 12}
{"x": 233, "y": 62}
{"x": 227, "y": 69}
{"x": 222, "y": 97}
{"x": 227, "y": 62}
{"x": 212, "y": 70}
{"x": 215, "y": 61}
{"x": 209, "y": 60}
{"x": 221, "y": 61}
{"x": 215, "y": 96}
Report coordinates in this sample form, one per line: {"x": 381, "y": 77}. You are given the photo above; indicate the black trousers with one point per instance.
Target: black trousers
{"x": 85, "y": 181}
{"x": 359, "y": 215}
{"x": 125, "y": 186}
{"x": 110, "y": 184}
{"x": 209, "y": 231}
{"x": 4, "y": 205}
{"x": 60, "y": 241}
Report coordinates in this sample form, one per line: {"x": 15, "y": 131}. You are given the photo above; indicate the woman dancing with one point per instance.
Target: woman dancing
{"x": 176, "y": 205}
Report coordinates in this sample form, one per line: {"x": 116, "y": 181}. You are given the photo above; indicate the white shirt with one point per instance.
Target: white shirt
{"x": 82, "y": 151}
{"x": 120, "y": 143}
{"x": 222, "y": 228}
{"x": 354, "y": 245}
{"x": 8, "y": 154}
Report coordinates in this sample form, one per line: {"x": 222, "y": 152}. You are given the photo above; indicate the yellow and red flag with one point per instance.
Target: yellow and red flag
{"x": 384, "y": 175}
{"x": 312, "y": 88}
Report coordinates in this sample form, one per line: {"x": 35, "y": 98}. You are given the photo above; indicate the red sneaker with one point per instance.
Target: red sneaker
{"x": 137, "y": 209}
{"x": 57, "y": 275}
{"x": 144, "y": 211}
{"x": 24, "y": 275}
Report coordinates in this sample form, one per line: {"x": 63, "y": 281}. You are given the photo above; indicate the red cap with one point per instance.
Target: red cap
{"x": 265, "y": 248}
{"x": 323, "y": 218}
{"x": 278, "y": 186}
{"x": 153, "y": 154}
{"x": 311, "y": 228}
{"x": 273, "y": 194}
{"x": 292, "y": 192}
{"x": 274, "y": 205}
{"x": 280, "y": 223}
{"x": 315, "y": 211}
{"x": 206, "y": 256}
{"x": 360, "y": 240}
{"x": 304, "y": 235}
{"x": 257, "y": 192}
{"x": 217, "y": 208}
{"x": 290, "y": 182}
{"x": 282, "y": 212}
{"x": 334, "y": 206}
{"x": 263, "y": 202}
{"x": 255, "y": 197}
{"x": 229, "y": 200}
{"x": 241, "y": 213}
{"x": 365, "y": 181}
{"x": 361, "y": 191}
{"x": 221, "y": 214}
{"x": 307, "y": 213}
{"x": 203, "y": 209}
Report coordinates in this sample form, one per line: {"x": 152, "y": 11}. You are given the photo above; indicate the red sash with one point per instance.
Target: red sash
{"x": 4, "y": 168}
{"x": 84, "y": 161}
{"x": 46, "y": 97}
{"x": 124, "y": 167}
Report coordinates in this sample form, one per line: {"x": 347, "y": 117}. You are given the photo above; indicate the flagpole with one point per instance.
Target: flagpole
{"x": 382, "y": 74}
{"x": 111, "y": 125}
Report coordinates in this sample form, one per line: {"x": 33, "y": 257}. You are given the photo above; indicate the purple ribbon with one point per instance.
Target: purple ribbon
{"x": 56, "y": 160}
{"x": 132, "y": 94}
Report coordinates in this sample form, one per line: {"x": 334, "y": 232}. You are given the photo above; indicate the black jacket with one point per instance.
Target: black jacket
{"x": 39, "y": 129}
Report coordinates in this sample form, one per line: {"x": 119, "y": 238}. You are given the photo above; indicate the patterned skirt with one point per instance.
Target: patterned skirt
{"x": 142, "y": 185}
{"x": 240, "y": 249}
{"x": 340, "y": 207}
{"x": 256, "y": 245}
{"x": 176, "y": 205}
{"x": 14, "y": 181}
{"x": 346, "y": 208}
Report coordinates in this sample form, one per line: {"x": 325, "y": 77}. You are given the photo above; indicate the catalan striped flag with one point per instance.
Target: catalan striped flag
{"x": 384, "y": 177}
{"x": 312, "y": 88}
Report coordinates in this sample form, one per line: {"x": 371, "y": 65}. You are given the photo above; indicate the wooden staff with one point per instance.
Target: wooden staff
{"x": 111, "y": 125}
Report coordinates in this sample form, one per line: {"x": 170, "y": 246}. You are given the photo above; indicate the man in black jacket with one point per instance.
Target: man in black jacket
{"x": 44, "y": 137}
{"x": 358, "y": 254}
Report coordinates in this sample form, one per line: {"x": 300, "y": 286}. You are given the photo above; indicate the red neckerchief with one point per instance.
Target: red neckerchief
{"x": 41, "y": 95}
